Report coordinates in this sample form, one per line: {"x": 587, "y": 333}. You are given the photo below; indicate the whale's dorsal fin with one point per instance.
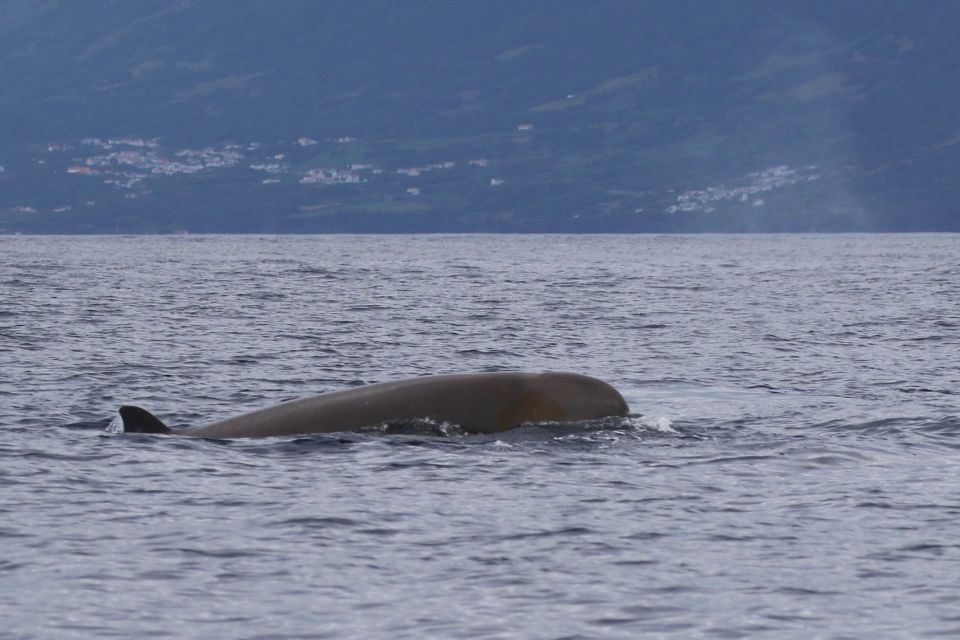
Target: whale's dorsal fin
{"x": 137, "y": 420}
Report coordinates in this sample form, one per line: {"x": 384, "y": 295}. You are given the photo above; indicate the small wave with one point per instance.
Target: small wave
{"x": 9, "y": 565}
{"x": 943, "y": 427}
{"x": 487, "y": 353}
{"x": 316, "y": 271}
{"x": 62, "y": 457}
{"x": 262, "y": 295}
{"x": 317, "y": 522}
{"x": 550, "y": 533}
{"x": 898, "y": 425}
{"x": 680, "y": 287}
{"x": 945, "y": 392}
{"x": 89, "y": 425}
{"x": 213, "y": 553}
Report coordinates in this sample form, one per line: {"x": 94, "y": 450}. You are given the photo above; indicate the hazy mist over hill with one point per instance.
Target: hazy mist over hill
{"x": 298, "y": 116}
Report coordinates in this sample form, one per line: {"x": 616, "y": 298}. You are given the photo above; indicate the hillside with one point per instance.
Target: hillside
{"x": 151, "y": 116}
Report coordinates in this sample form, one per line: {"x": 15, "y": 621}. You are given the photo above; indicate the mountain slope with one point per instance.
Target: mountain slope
{"x": 439, "y": 116}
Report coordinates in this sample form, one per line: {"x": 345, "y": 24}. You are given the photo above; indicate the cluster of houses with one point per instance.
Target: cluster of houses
{"x": 416, "y": 171}
{"x": 126, "y": 162}
{"x": 110, "y": 143}
{"x": 129, "y": 161}
{"x": 705, "y": 200}
{"x": 330, "y": 176}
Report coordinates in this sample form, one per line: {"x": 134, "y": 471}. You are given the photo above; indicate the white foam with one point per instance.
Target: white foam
{"x": 660, "y": 424}
{"x": 450, "y": 429}
{"x": 116, "y": 425}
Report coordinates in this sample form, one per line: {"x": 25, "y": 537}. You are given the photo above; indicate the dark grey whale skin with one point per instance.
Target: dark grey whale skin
{"x": 477, "y": 402}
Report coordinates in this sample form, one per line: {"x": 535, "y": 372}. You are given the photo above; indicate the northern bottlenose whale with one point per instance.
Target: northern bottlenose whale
{"x": 477, "y": 402}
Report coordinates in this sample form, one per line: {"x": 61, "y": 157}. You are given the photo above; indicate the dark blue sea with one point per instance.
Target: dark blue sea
{"x": 792, "y": 469}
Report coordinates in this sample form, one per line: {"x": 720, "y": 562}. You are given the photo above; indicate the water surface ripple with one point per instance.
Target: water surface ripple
{"x": 792, "y": 471}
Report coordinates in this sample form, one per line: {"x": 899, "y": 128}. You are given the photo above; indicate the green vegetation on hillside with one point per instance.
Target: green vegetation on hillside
{"x": 146, "y": 116}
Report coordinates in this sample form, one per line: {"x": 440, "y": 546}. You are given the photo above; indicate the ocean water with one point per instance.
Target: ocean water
{"x": 791, "y": 471}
